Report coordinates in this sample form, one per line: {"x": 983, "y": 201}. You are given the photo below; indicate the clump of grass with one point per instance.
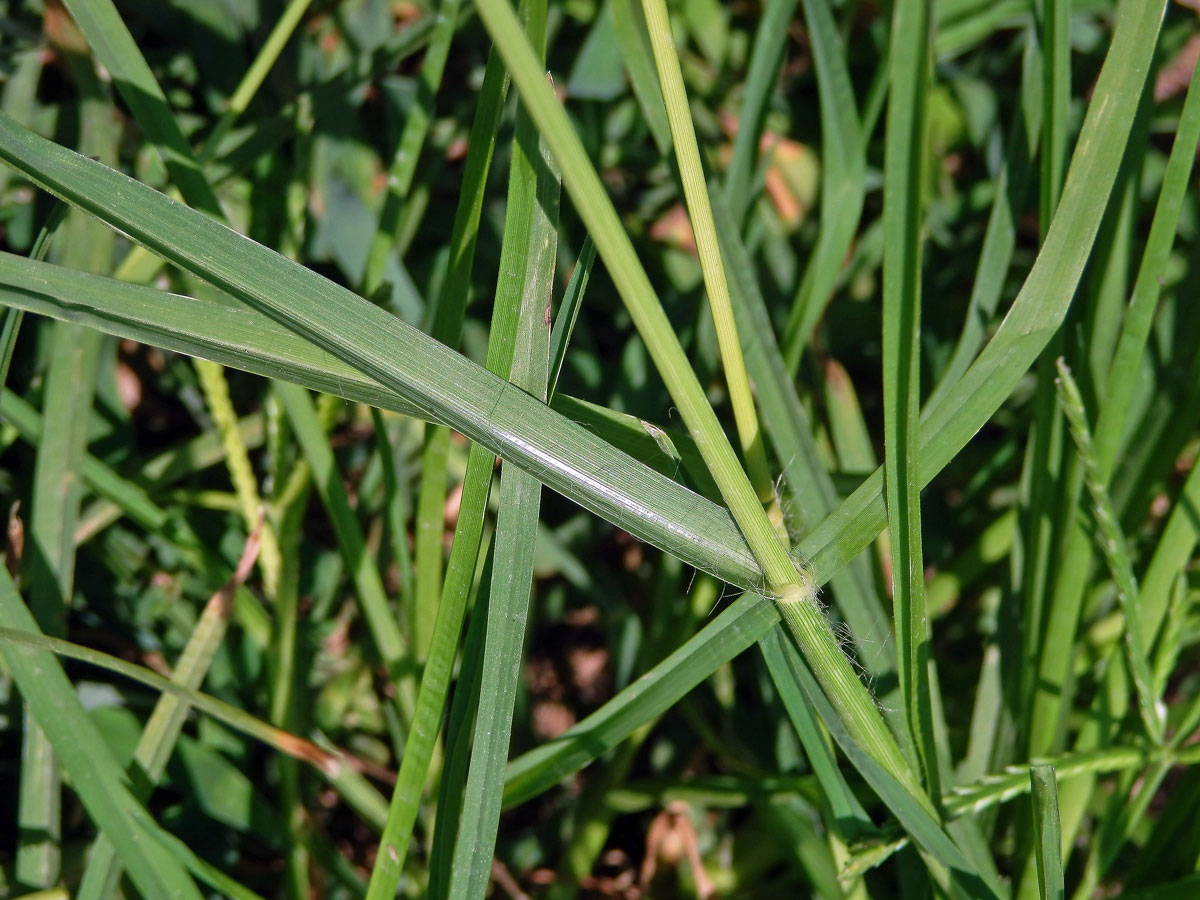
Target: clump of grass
{"x": 349, "y": 199}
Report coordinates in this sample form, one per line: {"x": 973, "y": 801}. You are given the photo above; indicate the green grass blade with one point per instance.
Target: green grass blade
{"x": 769, "y": 41}
{"x": 372, "y": 596}
{"x": 691, "y": 173}
{"x": 1135, "y": 330}
{"x": 1013, "y": 182}
{"x": 852, "y": 821}
{"x": 1052, "y": 591}
{"x": 243, "y": 338}
{"x": 843, "y": 167}
{"x": 57, "y": 491}
{"x": 460, "y": 571}
{"x": 535, "y": 185}
{"x": 166, "y": 721}
{"x": 445, "y": 384}
{"x": 287, "y": 677}
{"x": 1171, "y": 555}
{"x": 408, "y": 151}
{"x": 1112, "y": 544}
{"x": 1047, "y": 832}
{"x": 907, "y": 136}
{"x": 95, "y": 775}
{"x": 639, "y": 63}
{"x": 459, "y": 739}
{"x": 448, "y": 314}
{"x": 568, "y": 311}
{"x": 50, "y": 571}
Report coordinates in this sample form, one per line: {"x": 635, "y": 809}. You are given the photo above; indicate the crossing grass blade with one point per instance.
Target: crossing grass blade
{"x": 535, "y": 184}
{"x": 716, "y": 286}
{"x": 248, "y": 339}
{"x": 449, "y": 311}
{"x": 526, "y": 177}
{"x": 447, "y": 386}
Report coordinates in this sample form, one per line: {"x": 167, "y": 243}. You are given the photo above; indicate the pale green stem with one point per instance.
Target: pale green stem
{"x": 691, "y": 173}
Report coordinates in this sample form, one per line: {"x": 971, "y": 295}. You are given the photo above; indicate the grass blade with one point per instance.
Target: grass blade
{"x": 408, "y": 151}
{"x": 468, "y": 532}
{"x": 57, "y": 491}
{"x": 166, "y": 721}
{"x": 461, "y": 394}
{"x": 95, "y": 775}
{"x": 1047, "y": 833}
{"x": 907, "y": 136}
{"x": 534, "y": 185}
{"x": 691, "y": 173}
{"x": 448, "y": 314}
{"x": 1112, "y": 543}
{"x": 372, "y": 596}
{"x": 568, "y": 311}
{"x": 842, "y": 181}
{"x": 639, "y": 63}
{"x": 769, "y": 41}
